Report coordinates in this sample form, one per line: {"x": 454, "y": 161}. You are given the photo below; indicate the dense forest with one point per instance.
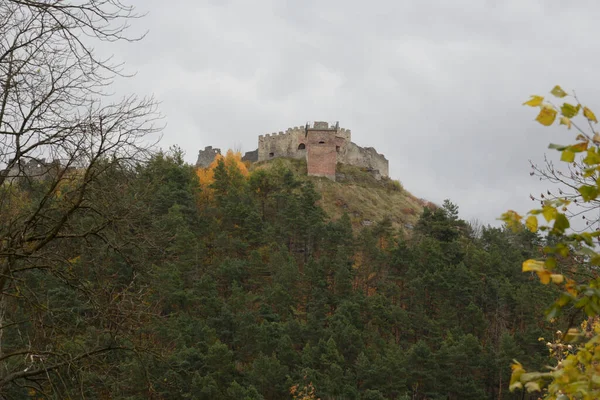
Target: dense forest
{"x": 242, "y": 288}
{"x": 126, "y": 273}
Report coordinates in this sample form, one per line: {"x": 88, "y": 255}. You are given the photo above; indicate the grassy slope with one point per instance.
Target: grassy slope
{"x": 359, "y": 194}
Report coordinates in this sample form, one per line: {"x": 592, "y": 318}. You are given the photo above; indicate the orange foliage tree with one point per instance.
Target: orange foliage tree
{"x": 206, "y": 176}
{"x": 231, "y": 159}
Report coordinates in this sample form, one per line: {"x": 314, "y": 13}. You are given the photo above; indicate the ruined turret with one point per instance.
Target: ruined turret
{"x": 207, "y": 156}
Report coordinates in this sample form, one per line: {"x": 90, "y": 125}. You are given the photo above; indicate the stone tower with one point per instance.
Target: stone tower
{"x": 323, "y": 144}
{"x": 207, "y": 156}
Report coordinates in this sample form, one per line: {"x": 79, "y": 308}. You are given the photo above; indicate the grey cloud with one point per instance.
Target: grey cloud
{"x": 435, "y": 85}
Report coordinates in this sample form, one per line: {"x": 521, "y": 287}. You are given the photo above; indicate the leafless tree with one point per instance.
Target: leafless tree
{"x": 60, "y": 133}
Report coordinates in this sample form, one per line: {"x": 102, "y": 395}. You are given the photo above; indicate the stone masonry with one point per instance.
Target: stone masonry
{"x": 323, "y": 145}
{"x": 207, "y": 156}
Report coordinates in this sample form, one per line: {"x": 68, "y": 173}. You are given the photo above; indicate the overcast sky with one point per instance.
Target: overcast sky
{"x": 434, "y": 85}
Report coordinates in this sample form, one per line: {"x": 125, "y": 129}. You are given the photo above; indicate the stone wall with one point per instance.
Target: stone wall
{"x": 282, "y": 144}
{"x": 251, "y": 156}
{"x": 33, "y": 169}
{"x": 207, "y": 156}
{"x": 321, "y": 144}
{"x": 366, "y": 157}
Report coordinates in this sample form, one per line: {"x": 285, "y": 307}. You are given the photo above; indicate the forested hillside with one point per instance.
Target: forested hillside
{"x": 363, "y": 197}
{"x": 126, "y": 273}
{"x": 244, "y": 288}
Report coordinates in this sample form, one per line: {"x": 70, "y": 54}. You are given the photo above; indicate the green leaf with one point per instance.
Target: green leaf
{"x": 567, "y": 156}
{"x": 595, "y": 260}
{"x": 557, "y": 146}
{"x": 588, "y": 193}
{"x": 589, "y": 172}
{"x": 586, "y": 250}
{"x": 562, "y": 249}
{"x": 553, "y": 312}
{"x": 558, "y": 92}
{"x": 550, "y": 262}
{"x": 561, "y": 223}
{"x": 569, "y": 110}
{"x": 592, "y": 157}
{"x": 563, "y": 300}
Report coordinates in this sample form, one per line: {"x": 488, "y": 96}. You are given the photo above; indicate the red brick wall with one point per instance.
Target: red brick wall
{"x": 321, "y": 158}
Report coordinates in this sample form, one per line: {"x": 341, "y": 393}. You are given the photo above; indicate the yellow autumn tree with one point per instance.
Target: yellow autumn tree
{"x": 231, "y": 159}
{"x": 206, "y": 176}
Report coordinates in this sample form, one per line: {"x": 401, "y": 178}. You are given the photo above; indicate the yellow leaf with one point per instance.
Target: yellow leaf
{"x": 546, "y": 116}
{"x": 534, "y": 101}
{"x": 533, "y": 386}
{"x": 558, "y": 92}
{"x": 515, "y": 378}
{"x": 532, "y": 223}
{"x": 512, "y": 219}
{"x": 533, "y": 265}
{"x": 596, "y": 138}
{"x": 565, "y": 121}
{"x": 557, "y": 278}
{"x": 589, "y": 114}
{"x": 579, "y": 147}
{"x": 571, "y": 287}
{"x": 549, "y": 213}
{"x": 567, "y": 156}
{"x": 74, "y": 260}
{"x": 544, "y": 276}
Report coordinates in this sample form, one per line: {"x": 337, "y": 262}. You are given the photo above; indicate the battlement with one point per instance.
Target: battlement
{"x": 322, "y": 125}
{"x": 281, "y": 135}
{"x": 322, "y": 144}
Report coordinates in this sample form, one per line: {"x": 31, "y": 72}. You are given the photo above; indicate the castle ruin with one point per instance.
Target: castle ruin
{"x": 207, "y": 156}
{"x": 323, "y": 145}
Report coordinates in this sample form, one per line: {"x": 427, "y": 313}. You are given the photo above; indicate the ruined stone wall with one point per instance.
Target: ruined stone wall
{"x": 322, "y": 145}
{"x": 251, "y": 156}
{"x": 282, "y": 144}
{"x": 33, "y": 169}
{"x": 365, "y": 157}
{"x": 207, "y": 156}
{"x": 286, "y": 144}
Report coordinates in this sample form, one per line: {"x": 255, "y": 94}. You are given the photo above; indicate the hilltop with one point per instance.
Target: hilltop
{"x": 358, "y": 193}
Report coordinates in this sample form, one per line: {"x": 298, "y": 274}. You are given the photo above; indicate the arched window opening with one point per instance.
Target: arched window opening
{"x": 301, "y": 146}
{"x": 321, "y": 142}
{"x": 337, "y": 148}
{"x": 271, "y": 154}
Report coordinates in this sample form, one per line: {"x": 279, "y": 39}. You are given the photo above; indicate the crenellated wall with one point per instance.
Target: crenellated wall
{"x": 323, "y": 145}
{"x": 281, "y": 144}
